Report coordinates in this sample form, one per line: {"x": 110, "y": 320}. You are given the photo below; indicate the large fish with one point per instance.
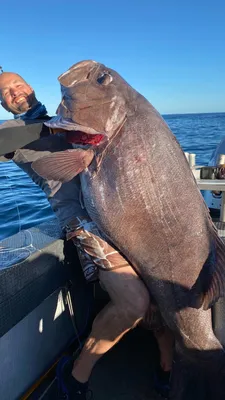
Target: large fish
{"x": 139, "y": 190}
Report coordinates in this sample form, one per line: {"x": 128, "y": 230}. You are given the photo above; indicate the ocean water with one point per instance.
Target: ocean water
{"x": 23, "y": 205}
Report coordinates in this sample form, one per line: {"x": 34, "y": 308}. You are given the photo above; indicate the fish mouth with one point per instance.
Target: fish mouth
{"x": 67, "y": 124}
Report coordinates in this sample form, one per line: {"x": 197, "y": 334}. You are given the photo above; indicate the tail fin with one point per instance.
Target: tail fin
{"x": 211, "y": 281}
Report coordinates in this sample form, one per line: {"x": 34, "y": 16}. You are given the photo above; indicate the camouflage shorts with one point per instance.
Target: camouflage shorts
{"x": 94, "y": 252}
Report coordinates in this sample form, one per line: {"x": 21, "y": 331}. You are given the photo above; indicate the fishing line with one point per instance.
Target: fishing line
{"x": 16, "y": 204}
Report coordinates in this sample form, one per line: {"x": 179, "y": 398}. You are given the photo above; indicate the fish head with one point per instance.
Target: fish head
{"x": 94, "y": 99}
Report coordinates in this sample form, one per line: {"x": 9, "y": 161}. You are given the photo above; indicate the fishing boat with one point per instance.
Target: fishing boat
{"x": 47, "y": 309}
{"x": 214, "y": 199}
{"x": 212, "y": 189}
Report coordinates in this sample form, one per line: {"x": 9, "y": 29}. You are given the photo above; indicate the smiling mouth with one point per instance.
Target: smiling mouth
{"x": 20, "y": 99}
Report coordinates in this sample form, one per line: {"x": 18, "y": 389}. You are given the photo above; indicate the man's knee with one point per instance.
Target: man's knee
{"x": 124, "y": 315}
{"x": 127, "y": 292}
{"x": 137, "y": 307}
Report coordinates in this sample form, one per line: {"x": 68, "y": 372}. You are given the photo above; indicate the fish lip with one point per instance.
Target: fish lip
{"x": 69, "y": 125}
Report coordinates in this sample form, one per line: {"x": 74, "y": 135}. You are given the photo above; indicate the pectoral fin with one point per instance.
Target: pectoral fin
{"x": 64, "y": 165}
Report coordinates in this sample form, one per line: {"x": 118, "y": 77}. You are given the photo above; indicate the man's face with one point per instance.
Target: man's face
{"x": 16, "y": 95}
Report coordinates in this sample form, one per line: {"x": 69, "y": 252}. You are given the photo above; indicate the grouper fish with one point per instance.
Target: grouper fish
{"x": 138, "y": 188}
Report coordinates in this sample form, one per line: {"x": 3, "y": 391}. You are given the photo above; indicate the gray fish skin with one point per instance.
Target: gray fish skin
{"x": 145, "y": 199}
{"x": 143, "y": 196}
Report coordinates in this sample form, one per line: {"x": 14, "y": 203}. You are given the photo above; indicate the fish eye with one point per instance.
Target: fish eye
{"x": 105, "y": 79}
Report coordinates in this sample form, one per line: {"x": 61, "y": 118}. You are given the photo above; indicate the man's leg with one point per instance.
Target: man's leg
{"x": 154, "y": 322}
{"x": 128, "y": 305}
{"x": 165, "y": 339}
{"x": 129, "y": 298}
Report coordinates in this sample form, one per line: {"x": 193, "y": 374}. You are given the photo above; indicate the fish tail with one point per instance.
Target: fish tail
{"x": 211, "y": 281}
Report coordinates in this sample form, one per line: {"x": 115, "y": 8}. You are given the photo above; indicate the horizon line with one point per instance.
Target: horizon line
{"x": 168, "y": 114}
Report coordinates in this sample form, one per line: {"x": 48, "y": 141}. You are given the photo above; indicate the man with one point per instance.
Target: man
{"x": 19, "y": 98}
{"x": 129, "y": 298}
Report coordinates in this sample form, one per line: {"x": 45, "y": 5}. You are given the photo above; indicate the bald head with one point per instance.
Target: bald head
{"x": 5, "y": 75}
{"x": 16, "y": 95}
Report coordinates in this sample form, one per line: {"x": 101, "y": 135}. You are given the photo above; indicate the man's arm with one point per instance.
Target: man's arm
{"x": 15, "y": 134}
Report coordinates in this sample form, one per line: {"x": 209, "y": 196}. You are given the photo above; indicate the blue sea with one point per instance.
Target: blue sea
{"x": 23, "y": 205}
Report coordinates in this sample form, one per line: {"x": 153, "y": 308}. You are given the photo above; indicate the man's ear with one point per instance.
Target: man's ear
{"x": 4, "y": 105}
{"x": 31, "y": 88}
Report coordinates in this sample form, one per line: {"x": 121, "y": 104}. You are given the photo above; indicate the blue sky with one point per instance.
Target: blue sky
{"x": 173, "y": 52}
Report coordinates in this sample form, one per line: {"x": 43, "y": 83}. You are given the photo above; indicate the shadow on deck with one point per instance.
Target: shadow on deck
{"x": 126, "y": 372}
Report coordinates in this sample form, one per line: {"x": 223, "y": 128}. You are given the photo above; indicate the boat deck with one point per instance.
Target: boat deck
{"x": 126, "y": 372}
